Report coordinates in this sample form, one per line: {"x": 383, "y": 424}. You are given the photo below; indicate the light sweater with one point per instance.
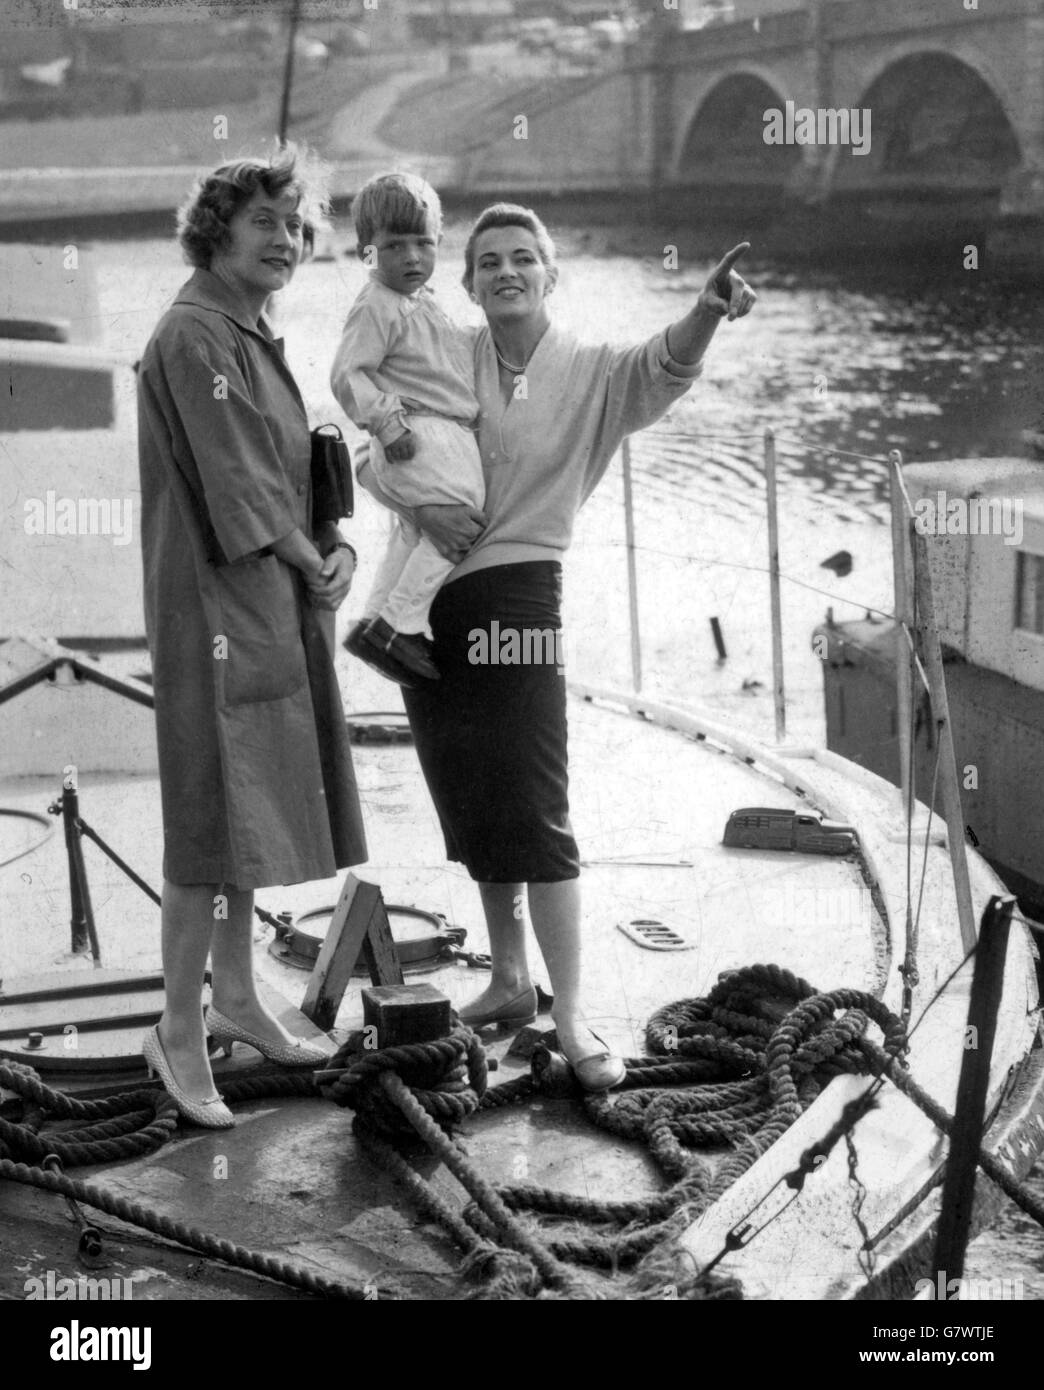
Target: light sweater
{"x": 544, "y": 453}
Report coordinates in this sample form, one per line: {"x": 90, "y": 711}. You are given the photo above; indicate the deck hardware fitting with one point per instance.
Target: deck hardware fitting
{"x": 654, "y": 935}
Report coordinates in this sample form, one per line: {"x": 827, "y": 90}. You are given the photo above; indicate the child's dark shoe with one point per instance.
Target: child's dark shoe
{"x": 406, "y": 650}
{"x": 381, "y": 661}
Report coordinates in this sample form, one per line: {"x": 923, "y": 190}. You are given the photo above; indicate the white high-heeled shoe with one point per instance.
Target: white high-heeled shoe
{"x": 211, "y": 1114}
{"x": 225, "y": 1032}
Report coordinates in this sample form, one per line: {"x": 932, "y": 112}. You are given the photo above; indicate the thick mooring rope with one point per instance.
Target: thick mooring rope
{"x": 735, "y": 1068}
{"x": 126, "y": 1126}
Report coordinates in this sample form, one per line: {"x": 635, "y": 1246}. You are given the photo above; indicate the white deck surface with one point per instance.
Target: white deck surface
{"x": 639, "y": 792}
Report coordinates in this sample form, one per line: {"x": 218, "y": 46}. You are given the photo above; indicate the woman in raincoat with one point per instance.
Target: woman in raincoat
{"x": 255, "y": 766}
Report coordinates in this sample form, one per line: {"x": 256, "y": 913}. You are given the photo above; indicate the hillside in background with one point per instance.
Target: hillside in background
{"x": 185, "y": 135}
{"x": 450, "y": 114}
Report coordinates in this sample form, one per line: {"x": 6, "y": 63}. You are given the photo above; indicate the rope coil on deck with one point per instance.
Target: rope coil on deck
{"x": 126, "y": 1126}
{"x": 428, "y": 1089}
{"x": 737, "y": 1067}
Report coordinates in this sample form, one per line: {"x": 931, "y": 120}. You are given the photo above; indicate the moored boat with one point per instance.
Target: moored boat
{"x": 654, "y": 786}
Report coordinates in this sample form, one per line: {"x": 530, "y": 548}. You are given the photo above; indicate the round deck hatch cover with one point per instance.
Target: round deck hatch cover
{"x": 420, "y": 938}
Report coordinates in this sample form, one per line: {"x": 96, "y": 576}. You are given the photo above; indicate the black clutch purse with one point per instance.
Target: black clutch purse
{"x": 333, "y": 494}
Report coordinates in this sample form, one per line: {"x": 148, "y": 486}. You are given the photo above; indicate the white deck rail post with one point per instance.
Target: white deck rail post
{"x": 904, "y": 620}
{"x": 778, "y": 696}
{"x": 951, "y": 790}
{"x": 632, "y": 571}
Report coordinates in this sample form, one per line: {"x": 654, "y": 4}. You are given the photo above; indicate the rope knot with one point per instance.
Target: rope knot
{"x": 502, "y": 1274}
{"x": 446, "y": 1077}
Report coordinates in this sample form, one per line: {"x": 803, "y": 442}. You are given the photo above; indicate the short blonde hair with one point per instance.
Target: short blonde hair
{"x": 400, "y": 203}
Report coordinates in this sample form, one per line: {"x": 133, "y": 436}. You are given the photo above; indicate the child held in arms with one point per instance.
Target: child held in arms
{"x": 405, "y": 373}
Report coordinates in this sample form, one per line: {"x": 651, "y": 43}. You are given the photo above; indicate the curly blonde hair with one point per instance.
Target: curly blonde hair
{"x": 398, "y": 203}
{"x": 204, "y": 218}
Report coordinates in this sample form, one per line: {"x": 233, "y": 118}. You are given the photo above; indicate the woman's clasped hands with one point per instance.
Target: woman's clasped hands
{"x": 329, "y": 587}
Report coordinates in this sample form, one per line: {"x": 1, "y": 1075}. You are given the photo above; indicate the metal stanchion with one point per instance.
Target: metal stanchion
{"x": 778, "y": 697}
{"x": 951, "y": 1239}
{"x": 82, "y": 913}
{"x": 903, "y": 618}
{"x": 632, "y": 571}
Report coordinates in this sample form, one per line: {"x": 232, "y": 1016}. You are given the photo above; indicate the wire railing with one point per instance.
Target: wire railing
{"x": 914, "y": 617}
{"x": 777, "y": 576}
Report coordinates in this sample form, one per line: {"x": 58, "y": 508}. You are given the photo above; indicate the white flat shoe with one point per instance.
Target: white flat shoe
{"x": 225, "y": 1032}
{"x": 211, "y": 1114}
{"x": 598, "y": 1071}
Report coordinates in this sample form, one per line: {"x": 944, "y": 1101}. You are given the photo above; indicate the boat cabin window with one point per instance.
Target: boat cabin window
{"x": 1029, "y": 591}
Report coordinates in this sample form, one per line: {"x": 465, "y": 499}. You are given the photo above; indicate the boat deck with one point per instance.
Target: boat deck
{"x": 649, "y": 808}
{"x": 733, "y": 906}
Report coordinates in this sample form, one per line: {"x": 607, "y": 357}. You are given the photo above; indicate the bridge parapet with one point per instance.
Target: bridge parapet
{"x": 710, "y": 46}
{"x": 834, "y": 22}
{"x": 843, "y": 20}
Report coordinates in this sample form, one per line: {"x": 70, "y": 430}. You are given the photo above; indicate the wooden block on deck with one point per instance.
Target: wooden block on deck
{"x": 406, "y": 1014}
{"x": 359, "y": 926}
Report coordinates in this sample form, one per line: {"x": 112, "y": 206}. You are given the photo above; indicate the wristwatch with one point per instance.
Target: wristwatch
{"x": 343, "y": 545}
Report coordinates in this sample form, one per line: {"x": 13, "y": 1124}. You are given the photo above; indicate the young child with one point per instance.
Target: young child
{"x": 405, "y": 372}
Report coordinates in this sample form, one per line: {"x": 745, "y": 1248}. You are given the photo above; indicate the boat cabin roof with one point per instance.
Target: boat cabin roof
{"x": 1002, "y": 477}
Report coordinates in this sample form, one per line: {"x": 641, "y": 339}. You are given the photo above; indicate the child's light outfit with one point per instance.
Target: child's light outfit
{"x": 404, "y": 364}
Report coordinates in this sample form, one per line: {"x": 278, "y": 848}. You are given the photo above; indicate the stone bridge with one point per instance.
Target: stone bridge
{"x": 955, "y": 97}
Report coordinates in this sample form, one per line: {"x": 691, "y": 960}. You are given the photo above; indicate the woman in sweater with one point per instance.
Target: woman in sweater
{"x": 491, "y": 737}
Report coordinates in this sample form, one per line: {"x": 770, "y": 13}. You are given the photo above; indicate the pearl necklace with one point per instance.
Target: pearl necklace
{"x": 515, "y": 371}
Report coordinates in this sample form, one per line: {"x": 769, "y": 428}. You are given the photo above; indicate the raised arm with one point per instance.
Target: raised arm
{"x": 725, "y": 295}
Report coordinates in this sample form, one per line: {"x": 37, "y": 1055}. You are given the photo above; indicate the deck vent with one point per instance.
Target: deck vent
{"x": 654, "y": 935}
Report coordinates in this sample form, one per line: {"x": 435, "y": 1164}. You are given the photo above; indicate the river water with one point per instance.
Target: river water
{"x": 839, "y": 363}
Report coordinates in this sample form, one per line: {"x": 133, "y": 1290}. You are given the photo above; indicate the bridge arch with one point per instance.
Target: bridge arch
{"x": 725, "y": 135}
{"x": 937, "y": 121}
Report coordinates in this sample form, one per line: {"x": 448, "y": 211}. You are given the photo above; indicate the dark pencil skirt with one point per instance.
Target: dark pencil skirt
{"x": 491, "y": 735}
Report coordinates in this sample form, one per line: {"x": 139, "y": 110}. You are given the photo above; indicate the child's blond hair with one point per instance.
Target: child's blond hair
{"x": 399, "y": 203}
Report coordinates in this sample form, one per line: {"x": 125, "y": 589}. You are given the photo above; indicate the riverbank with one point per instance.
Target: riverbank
{"x": 124, "y": 175}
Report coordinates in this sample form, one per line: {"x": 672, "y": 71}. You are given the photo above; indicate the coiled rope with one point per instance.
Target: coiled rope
{"x": 127, "y": 1126}
{"x": 735, "y": 1068}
